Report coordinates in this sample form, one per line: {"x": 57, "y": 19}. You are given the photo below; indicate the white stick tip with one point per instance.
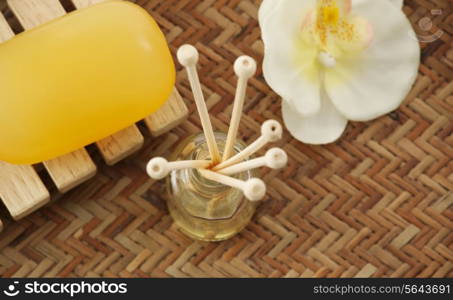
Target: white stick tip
{"x": 157, "y": 168}
{"x": 272, "y": 130}
{"x": 327, "y": 60}
{"x": 187, "y": 55}
{"x": 245, "y": 66}
{"x": 254, "y": 189}
{"x": 276, "y": 158}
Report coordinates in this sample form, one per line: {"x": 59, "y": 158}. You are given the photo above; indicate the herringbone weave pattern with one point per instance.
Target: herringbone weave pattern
{"x": 378, "y": 203}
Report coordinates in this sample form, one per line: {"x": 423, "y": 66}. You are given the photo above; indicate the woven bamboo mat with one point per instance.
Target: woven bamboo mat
{"x": 378, "y": 203}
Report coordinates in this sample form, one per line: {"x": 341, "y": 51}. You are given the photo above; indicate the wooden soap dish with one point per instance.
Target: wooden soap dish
{"x": 21, "y": 189}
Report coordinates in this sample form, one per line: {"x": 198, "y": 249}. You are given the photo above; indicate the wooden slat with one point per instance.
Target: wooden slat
{"x": 69, "y": 170}
{"x": 5, "y": 31}
{"x": 21, "y": 189}
{"x": 120, "y": 145}
{"x": 32, "y": 13}
{"x": 170, "y": 115}
{"x": 72, "y": 169}
{"x": 84, "y": 3}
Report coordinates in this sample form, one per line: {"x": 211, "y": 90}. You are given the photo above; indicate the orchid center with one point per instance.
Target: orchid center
{"x": 330, "y": 14}
{"x": 334, "y": 32}
{"x": 327, "y": 60}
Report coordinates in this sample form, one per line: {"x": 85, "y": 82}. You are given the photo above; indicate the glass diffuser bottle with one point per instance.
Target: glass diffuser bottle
{"x": 204, "y": 209}
{"x": 210, "y": 197}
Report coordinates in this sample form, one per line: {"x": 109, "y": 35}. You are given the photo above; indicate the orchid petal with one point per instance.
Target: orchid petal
{"x": 267, "y": 8}
{"x": 325, "y": 127}
{"x": 366, "y": 86}
{"x": 398, "y": 3}
{"x": 289, "y": 67}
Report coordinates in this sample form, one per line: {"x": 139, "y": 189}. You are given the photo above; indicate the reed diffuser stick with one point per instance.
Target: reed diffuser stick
{"x": 159, "y": 167}
{"x": 275, "y": 158}
{"x": 271, "y": 131}
{"x": 254, "y": 189}
{"x": 245, "y": 68}
{"x": 188, "y": 57}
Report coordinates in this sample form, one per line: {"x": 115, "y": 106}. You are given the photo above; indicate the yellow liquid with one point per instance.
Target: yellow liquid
{"x": 203, "y": 209}
{"x": 80, "y": 78}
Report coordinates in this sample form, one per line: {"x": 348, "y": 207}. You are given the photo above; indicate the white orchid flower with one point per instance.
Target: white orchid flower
{"x": 337, "y": 60}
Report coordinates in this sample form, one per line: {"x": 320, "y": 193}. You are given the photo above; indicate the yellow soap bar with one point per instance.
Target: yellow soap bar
{"x": 80, "y": 78}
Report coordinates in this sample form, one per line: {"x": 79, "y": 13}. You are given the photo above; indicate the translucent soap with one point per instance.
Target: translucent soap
{"x": 80, "y": 78}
